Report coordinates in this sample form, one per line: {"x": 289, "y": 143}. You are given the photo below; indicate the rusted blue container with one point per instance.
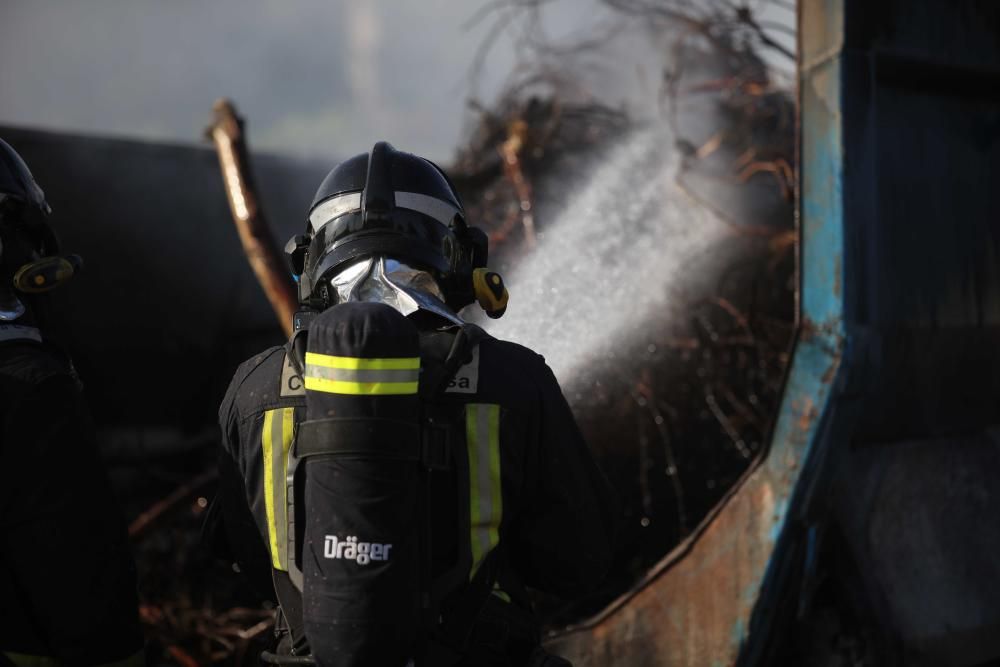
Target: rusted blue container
{"x": 868, "y": 531}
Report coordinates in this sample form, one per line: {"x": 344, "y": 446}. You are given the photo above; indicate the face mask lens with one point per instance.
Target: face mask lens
{"x": 350, "y": 274}
{"x": 345, "y": 282}
{"x": 391, "y": 282}
{"x": 406, "y": 276}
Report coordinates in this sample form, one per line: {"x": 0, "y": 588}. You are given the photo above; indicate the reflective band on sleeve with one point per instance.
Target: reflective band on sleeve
{"x": 356, "y": 376}
{"x": 482, "y": 435}
{"x": 276, "y": 440}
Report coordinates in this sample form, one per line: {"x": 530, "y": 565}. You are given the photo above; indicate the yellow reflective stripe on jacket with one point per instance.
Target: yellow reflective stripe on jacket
{"x": 23, "y": 660}
{"x": 358, "y": 363}
{"x": 361, "y": 388}
{"x": 276, "y": 440}
{"x": 359, "y": 376}
{"x": 482, "y": 436}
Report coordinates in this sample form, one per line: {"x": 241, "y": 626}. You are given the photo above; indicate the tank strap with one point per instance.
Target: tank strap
{"x": 467, "y": 338}
{"x": 484, "y": 558}
{"x": 439, "y": 431}
{"x": 338, "y": 437}
{"x": 452, "y": 640}
{"x": 290, "y": 610}
{"x": 295, "y": 350}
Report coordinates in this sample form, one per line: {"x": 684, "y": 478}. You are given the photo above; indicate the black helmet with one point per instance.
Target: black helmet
{"x": 390, "y": 203}
{"x": 17, "y": 183}
{"x": 29, "y": 259}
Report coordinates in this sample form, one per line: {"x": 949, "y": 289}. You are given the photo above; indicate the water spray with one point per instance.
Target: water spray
{"x": 607, "y": 264}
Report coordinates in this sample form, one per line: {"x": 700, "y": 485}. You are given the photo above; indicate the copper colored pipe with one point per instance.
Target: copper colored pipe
{"x": 226, "y": 132}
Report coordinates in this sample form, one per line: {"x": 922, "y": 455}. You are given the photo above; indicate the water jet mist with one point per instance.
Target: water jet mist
{"x": 610, "y": 262}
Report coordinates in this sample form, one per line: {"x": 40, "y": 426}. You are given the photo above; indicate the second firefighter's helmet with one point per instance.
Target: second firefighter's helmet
{"x": 393, "y": 204}
{"x": 29, "y": 260}
{"x": 16, "y": 182}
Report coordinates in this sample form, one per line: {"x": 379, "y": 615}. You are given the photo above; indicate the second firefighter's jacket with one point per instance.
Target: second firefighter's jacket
{"x": 67, "y": 576}
{"x": 509, "y": 473}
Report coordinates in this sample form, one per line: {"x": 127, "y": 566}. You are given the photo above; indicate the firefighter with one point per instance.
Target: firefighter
{"x": 67, "y": 578}
{"x": 403, "y": 476}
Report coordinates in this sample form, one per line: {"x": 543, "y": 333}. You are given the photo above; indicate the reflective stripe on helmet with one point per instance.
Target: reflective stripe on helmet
{"x": 276, "y": 440}
{"x": 482, "y": 436}
{"x": 334, "y": 207}
{"x": 436, "y": 208}
{"x": 358, "y": 376}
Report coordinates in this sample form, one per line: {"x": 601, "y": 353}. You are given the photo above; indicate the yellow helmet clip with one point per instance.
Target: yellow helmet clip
{"x": 45, "y": 274}
{"x": 490, "y": 292}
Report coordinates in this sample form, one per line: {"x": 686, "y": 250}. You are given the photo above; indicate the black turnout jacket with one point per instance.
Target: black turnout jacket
{"x": 559, "y": 513}
{"x": 67, "y": 578}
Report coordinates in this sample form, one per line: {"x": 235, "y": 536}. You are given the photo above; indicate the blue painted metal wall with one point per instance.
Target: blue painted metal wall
{"x": 900, "y": 282}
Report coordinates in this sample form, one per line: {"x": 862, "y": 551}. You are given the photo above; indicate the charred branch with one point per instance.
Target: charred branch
{"x": 267, "y": 262}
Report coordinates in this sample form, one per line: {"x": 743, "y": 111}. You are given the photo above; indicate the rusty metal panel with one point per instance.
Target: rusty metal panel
{"x": 697, "y": 606}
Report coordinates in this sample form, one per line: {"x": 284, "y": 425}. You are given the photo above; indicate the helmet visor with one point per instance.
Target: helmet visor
{"x": 411, "y": 236}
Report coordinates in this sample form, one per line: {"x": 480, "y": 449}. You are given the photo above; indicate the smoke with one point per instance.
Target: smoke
{"x": 319, "y": 78}
{"x": 364, "y": 41}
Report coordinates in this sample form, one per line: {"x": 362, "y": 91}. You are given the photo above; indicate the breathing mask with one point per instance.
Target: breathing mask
{"x": 392, "y": 282}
